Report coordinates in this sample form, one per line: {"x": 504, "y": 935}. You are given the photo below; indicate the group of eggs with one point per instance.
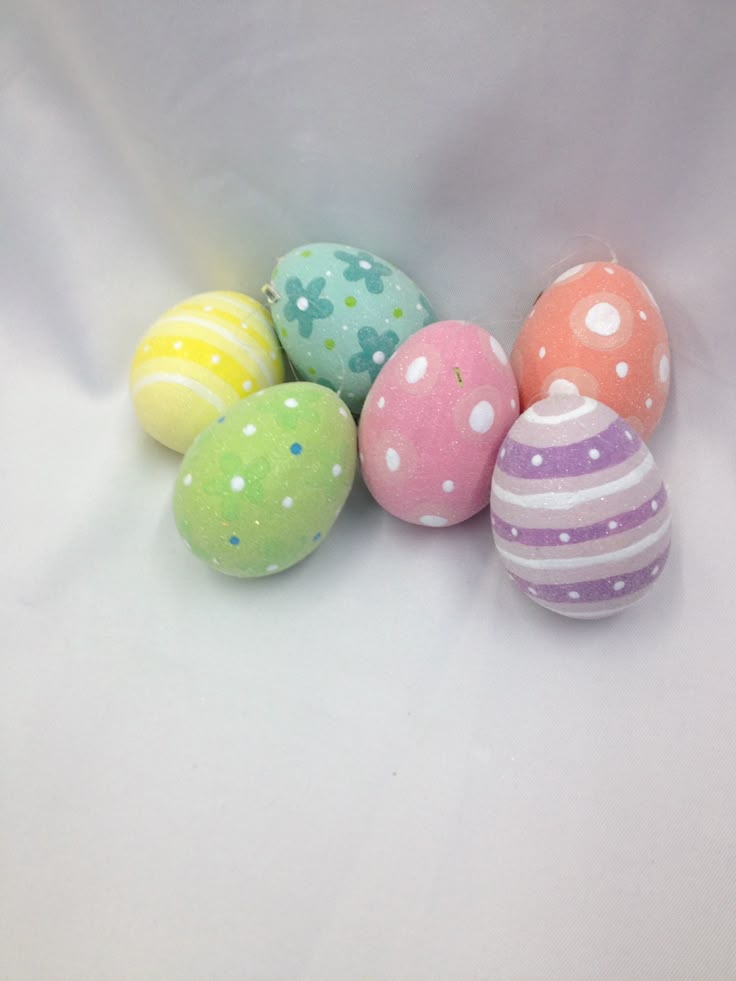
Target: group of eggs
{"x": 552, "y": 437}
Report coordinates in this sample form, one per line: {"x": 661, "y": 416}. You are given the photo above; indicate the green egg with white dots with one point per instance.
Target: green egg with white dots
{"x": 341, "y": 312}
{"x": 260, "y": 489}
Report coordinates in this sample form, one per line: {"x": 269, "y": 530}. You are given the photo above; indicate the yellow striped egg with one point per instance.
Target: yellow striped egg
{"x": 197, "y": 359}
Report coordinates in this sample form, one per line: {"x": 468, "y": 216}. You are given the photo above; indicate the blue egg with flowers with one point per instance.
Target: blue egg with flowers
{"x": 341, "y": 312}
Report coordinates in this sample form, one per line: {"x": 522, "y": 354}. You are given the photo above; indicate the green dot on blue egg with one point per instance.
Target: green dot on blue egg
{"x": 296, "y": 448}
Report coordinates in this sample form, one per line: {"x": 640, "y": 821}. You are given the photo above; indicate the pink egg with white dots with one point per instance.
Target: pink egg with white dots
{"x": 433, "y": 423}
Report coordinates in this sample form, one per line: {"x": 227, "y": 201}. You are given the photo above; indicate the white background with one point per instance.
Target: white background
{"x": 385, "y": 763}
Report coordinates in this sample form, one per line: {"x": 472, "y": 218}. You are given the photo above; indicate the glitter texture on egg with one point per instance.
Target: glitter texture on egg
{"x": 199, "y": 358}
{"x": 260, "y": 488}
{"x": 341, "y": 313}
{"x": 433, "y": 422}
{"x": 597, "y": 331}
{"x": 579, "y": 510}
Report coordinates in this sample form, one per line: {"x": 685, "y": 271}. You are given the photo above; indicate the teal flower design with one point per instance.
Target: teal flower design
{"x": 377, "y": 349}
{"x": 431, "y": 316}
{"x": 305, "y": 304}
{"x": 362, "y": 265}
{"x": 237, "y": 482}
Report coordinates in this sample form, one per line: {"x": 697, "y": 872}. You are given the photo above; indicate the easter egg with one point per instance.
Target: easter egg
{"x": 579, "y": 511}
{"x": 261, "y": 487}
{"x": 598, "y": 330}
{"x": 197, "y": 359}
{"x": 341, "y": 313}
{"x": 433, "y": 422}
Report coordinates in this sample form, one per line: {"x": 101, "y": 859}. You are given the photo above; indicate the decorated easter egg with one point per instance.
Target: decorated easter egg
{"x": 599, "y": 330}
{"x": 433, "y": 422}
{"x": 578, "y": 508}
{"x": 261, "y": 487}
{"x": 197, "y": 359}
{"x": 341, "y": 313}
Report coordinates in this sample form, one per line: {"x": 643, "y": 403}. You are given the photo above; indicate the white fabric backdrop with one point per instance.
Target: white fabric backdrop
{"x": 384, "y": 764}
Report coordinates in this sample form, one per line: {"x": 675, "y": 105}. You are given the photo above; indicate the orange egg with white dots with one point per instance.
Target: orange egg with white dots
{"x": 597, "y": 331}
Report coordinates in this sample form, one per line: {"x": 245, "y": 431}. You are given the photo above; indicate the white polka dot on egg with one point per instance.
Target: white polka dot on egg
{"x": 603, "y": 319}
{"x": 498, "y": 351}
{"x": 481, "y": 417}
{"x": 573, "y": 271}
{"x": 433, "y": 520}
{"x": 561, "y": 386}
{"x": 416, "y": 370}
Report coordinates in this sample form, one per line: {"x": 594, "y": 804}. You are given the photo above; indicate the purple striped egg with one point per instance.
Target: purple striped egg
{"x": 579, "y": 511}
